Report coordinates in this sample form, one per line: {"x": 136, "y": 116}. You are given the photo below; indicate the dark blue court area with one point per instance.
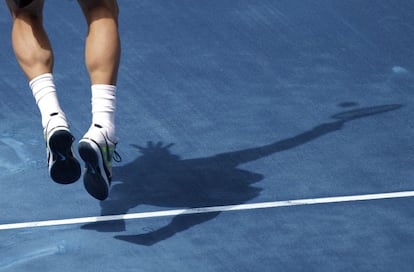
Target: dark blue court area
{"x": 256, "y": 135}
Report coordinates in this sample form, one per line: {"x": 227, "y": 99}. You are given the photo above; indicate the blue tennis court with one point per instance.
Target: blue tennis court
{"x": 255, "y": 136}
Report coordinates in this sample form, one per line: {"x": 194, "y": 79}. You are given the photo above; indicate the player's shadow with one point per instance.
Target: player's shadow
{"x": 160, "y": 178}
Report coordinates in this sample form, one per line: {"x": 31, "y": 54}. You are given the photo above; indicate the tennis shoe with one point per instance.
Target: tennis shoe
{"x": 64, "y": 168}
{"x": 97, "y": 150}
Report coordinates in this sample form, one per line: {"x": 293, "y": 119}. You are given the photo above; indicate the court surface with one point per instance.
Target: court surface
{"x": 255, "y": 136}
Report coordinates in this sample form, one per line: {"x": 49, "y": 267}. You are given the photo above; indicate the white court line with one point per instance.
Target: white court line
{"x": 253, "y": 206}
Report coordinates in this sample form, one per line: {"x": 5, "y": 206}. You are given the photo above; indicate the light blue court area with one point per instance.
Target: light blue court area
{"x": 255, "y": 136}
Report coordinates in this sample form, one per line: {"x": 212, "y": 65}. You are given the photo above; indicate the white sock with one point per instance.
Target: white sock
{"x": 44, "y": 92}
{"x": 104, "y": 106}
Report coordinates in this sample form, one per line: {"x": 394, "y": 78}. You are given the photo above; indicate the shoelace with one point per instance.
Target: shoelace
{"x": 116, "y": 156}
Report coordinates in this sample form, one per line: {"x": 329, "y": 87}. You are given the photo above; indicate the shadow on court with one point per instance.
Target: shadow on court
{"x": 160, "y": 178}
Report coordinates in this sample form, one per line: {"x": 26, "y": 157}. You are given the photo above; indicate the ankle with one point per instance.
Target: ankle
{"x": 56, "y": 120}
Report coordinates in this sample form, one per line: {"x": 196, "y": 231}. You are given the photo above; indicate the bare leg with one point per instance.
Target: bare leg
{"x": 34, "y": 54}
{"x": 102, "y": 49}
{"x": 102, "y": 56}
{"x": 30, "y": 42}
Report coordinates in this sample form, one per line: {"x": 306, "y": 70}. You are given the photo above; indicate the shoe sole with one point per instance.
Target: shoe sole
{"x": 66, "y": 168}
{"x": 94, "y": 179}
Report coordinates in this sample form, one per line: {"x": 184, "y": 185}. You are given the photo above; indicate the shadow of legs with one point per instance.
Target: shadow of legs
{"x": 178, "y": 224}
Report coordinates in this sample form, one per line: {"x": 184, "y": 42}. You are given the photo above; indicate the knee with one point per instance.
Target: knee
{"x": 29, "y": 18}
{"x": 97, "y": 9}
{"x": 30, "y": 13}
